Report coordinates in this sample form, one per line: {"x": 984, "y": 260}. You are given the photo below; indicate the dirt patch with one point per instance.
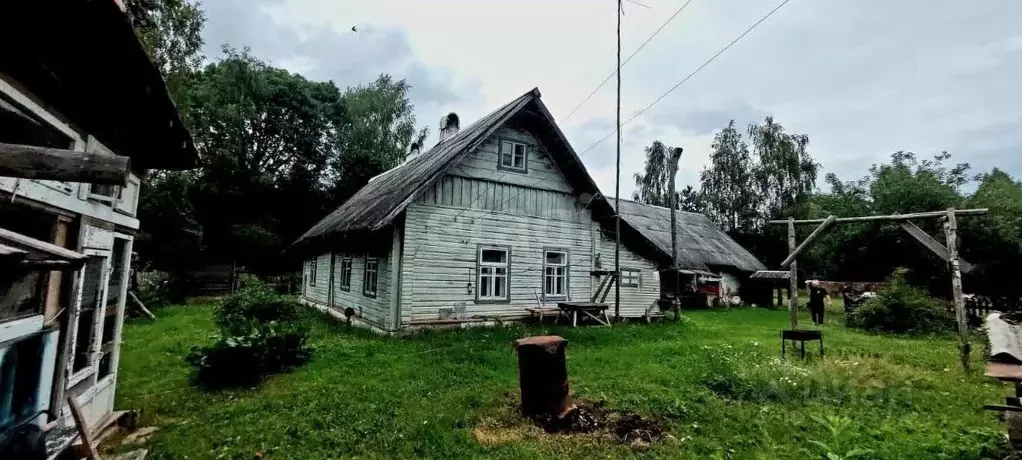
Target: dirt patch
{"x": 625, "y": 427}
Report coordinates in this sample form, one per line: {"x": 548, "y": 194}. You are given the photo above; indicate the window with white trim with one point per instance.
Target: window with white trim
{"x": 372, "y": 271}
{"x": 555, "y": 274}
{"x": 630, "y": 277}
{"x": 493, "y": 264}
{"x": 312, "y": 272}
{"x": 513, "y": 156}
{"x": 346, "y": 274}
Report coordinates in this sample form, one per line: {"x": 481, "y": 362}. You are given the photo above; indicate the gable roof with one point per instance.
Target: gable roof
{"x": 700, "y": 242}
{"x": 384, "y": 198}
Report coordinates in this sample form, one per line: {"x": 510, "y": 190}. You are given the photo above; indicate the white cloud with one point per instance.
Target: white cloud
{"x": 862, "y": 78}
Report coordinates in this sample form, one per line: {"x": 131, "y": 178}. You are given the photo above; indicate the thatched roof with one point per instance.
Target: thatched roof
{"x": 384, "y": 198}
{"x": 701, "y": 243}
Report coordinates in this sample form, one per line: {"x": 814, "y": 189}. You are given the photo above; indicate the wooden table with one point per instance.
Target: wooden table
{"x": 570, "y": 311}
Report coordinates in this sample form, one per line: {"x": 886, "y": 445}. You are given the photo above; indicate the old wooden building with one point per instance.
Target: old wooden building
{"x": 84, "y": 114}
{"x": 495, "y": 219}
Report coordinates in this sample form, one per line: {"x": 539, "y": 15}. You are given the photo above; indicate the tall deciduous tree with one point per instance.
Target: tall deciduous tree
{"x": 785, "y": 173}
{"x": 380, "y": 128}
{"x": 727, "y": 189}
{"x": 653, "y": 185}
{"x": 171, "y": 32}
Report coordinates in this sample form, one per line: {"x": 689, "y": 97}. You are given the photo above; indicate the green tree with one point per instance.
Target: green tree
{"x": 785, "y": 173}
{"x": 171, "y": 32}
{"x": 378, "y": 131}
{"x": 907, "y": 185}
{"x": 266, "y": 137}
{"x": 170, "y": 235}
{"x": 727, "y": 188}
{"x": 653, "y": 186}
{"x": 689, "y": 199}
{"x": 994, "y": 242}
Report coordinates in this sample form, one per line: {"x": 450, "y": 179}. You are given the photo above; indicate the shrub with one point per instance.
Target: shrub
{"x": 261, "y": 333}
{"x": 244, "y": 359}
{"x": 255, "y": 304}
{"x": 903, "y": 308}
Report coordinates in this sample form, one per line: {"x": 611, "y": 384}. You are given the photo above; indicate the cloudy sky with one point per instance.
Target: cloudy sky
{"x": 862, "y": 78}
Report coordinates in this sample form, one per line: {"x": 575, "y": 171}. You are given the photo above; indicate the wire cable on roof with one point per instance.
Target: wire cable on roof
{"x": 629, "y": 58}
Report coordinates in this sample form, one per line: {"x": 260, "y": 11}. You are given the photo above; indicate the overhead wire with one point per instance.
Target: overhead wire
{"x": 689, "y": 76}
{"x": 629, "y": 58}
{"x": 657, "y": 100}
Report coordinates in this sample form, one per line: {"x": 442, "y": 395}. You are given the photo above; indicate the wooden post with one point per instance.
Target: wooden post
{"x": 793, "y": 277}
{"x": 951, "y": 231}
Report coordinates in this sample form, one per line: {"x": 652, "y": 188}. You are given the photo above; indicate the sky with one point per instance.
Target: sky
{"x": 862, "y": 78}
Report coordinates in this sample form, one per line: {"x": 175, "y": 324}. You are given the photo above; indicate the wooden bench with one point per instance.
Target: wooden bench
{"x": 541, "y": 312}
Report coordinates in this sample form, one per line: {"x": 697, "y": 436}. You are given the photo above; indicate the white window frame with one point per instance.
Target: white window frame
{"x": 491, "y": 271}
{"x": 370, "y": 273}
{"x": 346, "y": 264}
{"x": 634, "y": 278}
{"x": 502, "y": 145}
{"x": 92, "y": 366}
{"x": 564, "y": 269}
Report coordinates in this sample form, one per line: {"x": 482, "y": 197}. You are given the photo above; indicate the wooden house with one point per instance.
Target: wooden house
{"x": 84, "y": 114}
{"x": 495, "y": 219}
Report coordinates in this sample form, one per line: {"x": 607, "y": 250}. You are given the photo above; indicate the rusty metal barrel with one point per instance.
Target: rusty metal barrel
{"x": 543, "y": 376}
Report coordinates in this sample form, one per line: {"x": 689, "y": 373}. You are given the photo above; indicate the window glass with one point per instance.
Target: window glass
{"x": 492, "y": 279}
{"x": 495, "y": 256}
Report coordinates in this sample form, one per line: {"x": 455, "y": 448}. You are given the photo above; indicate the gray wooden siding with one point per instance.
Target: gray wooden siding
{"x": 634, "y": 300}
{"x": 440, "y": 251}
{"x": 375, "y": 311}
{"x": 484, "y": 195}
{"x": 542, "y": 173}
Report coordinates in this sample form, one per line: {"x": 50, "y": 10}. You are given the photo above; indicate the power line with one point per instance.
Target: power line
{"x": 708, "y": 61}
{"x": 715, "y": 56}
{"x": 629, "y": 58}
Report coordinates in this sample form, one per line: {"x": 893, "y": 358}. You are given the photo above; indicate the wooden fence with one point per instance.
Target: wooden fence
{"x": 979, "y": 307}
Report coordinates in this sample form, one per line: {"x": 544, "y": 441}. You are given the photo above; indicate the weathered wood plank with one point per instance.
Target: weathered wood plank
{"x": 793, "y": 278}
{"x": 809, "y": 240}
{"x": 44, "y": 163}
{"x": 933, "y": 245}
{"x": 951, "y": 232}
{"x": 890, "y": 218}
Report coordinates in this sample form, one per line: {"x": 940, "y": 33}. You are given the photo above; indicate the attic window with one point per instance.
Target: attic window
{"x": 513, "y": 156}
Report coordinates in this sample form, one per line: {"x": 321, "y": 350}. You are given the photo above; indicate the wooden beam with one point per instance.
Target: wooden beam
{"x": 888, "y": 218}
{"x": 809, "y": 240}
{"x": 141, "y": 306}
{"x": 951, "y": 232}
{"x": 793, "y": 278}
{"x": 83, "y": 428}
{"x": 44, "y": 163}
{"x": 17, "y": 239}
{"x": 933, "y": 245}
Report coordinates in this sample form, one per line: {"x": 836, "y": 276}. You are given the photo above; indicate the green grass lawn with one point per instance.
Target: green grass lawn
{"x": 715, "y": 381}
